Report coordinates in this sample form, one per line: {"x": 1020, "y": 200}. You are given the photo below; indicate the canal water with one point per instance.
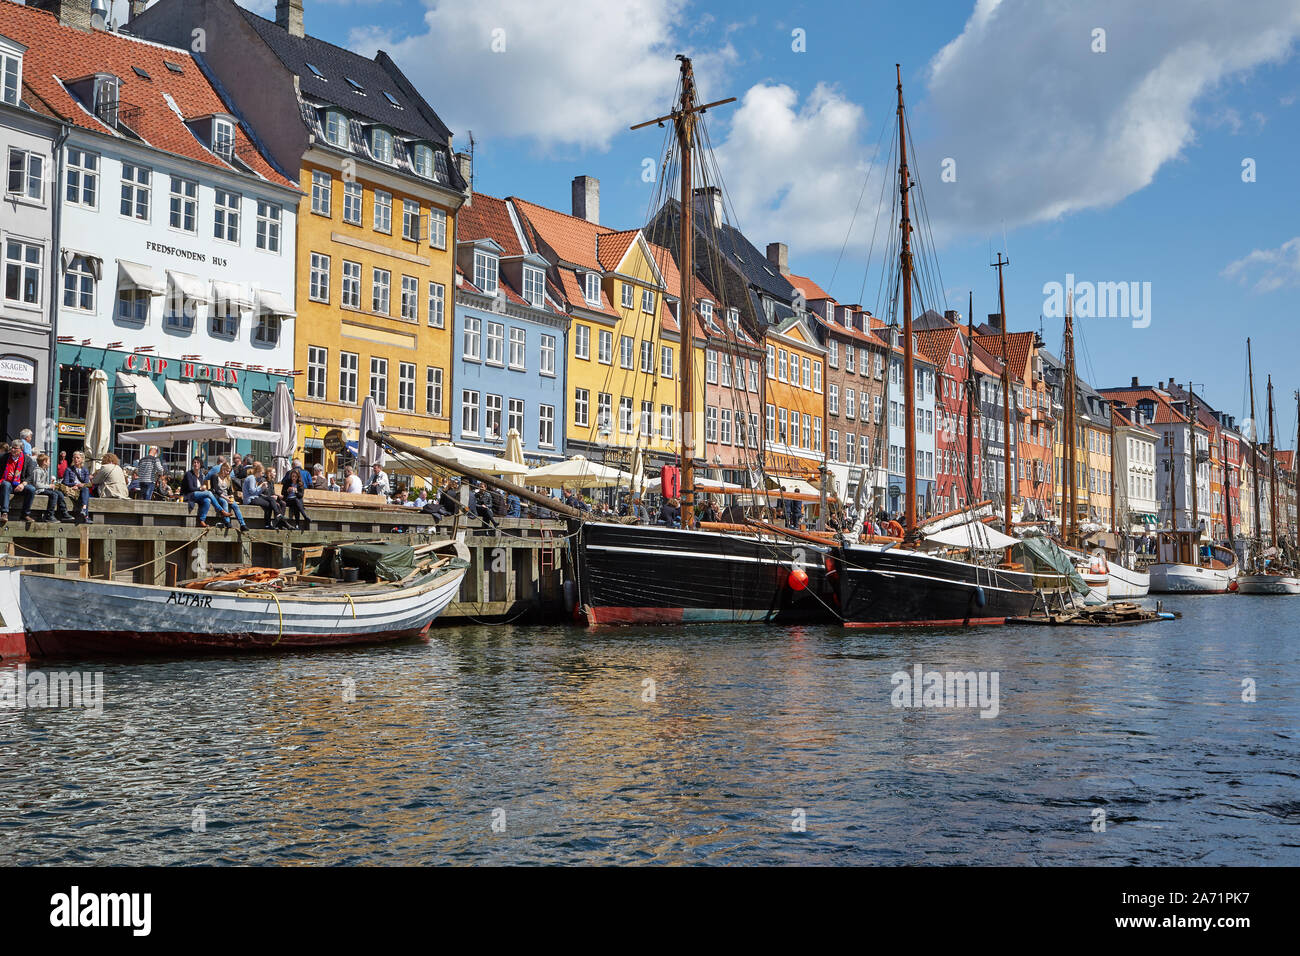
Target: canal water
{"x": 715, "y": 745}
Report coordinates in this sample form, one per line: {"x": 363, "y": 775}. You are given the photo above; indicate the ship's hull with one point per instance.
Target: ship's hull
{"x": 1189, "y": 579}
{"x": 638, "y": 574}
{"x": 1125, "y": 583}
{"x": 13, "y": 640}
{"x": 1268, "y": 584}
{"x": 893, "y": 587}
{"x": 79, "y": 617}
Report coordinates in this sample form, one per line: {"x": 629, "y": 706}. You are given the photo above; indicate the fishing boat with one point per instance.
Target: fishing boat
{"x": 1184, "y": 566}
{"x": 394, "y": 595}
{"x": 1268, "y": 574}
{"x": 915, "y": 581}
{"x": 13, "y": 642}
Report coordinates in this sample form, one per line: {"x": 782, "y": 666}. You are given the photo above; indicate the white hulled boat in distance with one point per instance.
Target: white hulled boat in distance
{"x": 1180, "y": 568}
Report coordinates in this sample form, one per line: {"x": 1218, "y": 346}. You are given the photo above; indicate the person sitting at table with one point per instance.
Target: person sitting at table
{"x": 109, "y": 481}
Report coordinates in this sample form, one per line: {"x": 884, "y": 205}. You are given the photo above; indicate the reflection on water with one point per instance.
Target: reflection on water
{"x": 548, "y": 733}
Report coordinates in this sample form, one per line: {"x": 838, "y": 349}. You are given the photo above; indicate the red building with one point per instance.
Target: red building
{"x": 950, "y": 353}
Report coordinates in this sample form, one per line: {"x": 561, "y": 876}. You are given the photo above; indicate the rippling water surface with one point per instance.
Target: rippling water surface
{"x": 545, "y": 730}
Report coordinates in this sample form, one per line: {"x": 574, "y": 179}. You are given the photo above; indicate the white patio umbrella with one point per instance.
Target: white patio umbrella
{"x": 368, "y": 451}
{"x": 284, "y": 422}
{"x": 99, "y": 419}
{"x": 577, "y": 472}
{"x": 453, "y": 455}
{"x": 514, "y": 448}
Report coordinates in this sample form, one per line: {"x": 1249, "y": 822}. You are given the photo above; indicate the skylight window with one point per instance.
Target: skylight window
{"x": 315, "y": 72}
{"x": 174, "y": 67}
{"x": 356, "y": 87}
{"x": 143, "y": 74}
{"x": 392, "y": 99}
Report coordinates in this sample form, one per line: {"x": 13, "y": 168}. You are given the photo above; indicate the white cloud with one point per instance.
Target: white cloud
{"x": 1041, "y": 126}
{"x": 793, "y": 171}
{"x": 1266, "y": 270}
{"x": 572, "y": 72}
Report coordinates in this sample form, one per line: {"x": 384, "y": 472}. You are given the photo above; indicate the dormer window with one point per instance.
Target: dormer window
{"x": 422, "y": 157}
{"x": 381, "y": 145}
{"x": 223, "y": 138}
{"x": 706, "y": 311}
{"x": 534, "y": 286}
{"x": 830, "y": 312}
{"x": 107, "y": 91}
{"x": 11, "y": 73}
{"x": 733, "y": 319}
{"x": 769, "y": 308}
{"x": 592, "y": 291}
{"x": 485, "y": 272}
{"x": 336, "y": 129}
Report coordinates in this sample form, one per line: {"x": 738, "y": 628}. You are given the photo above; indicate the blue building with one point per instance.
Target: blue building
{"x": 510, "y": 339}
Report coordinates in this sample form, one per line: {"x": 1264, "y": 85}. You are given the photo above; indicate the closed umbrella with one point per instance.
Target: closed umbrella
{"x": 514, "y": 447}
{"x": 99, "y": 419}
{"x": 284, "y": 422}
{"x": 368, "y": 450}
{"x": 638, "y": 471}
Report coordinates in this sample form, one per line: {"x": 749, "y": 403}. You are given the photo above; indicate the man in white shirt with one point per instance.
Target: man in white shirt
{"x": 378, "y": 481}
{"x": 351, "y": 481}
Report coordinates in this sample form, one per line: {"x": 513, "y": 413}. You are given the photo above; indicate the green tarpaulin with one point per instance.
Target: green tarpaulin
{"x": 1040, "y": 555}
{"x": 386, "y": 562}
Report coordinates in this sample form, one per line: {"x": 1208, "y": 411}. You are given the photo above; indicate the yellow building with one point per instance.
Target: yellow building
{"x": 794, "y": 402}
{"x": 624, "y": 348}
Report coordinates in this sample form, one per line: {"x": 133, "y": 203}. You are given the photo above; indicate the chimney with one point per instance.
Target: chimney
{"x": 288, "y": 15}
{"x": 465, "y": 167}
{"x": 778, "y": 253}
{"x": 1135, "y": 382}
{"x": 995, "y": 321}
{"x": 137, "y": 8}
{"x": 71, "y": 13}
{"x": 586, "y": 198}
{"x": 953, "y": 316}
{"x": 708, "y": 205}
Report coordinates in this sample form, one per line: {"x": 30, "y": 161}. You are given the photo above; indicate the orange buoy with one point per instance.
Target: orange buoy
{"x": 1232, "y": 586}
{"x": 798, "y": 579}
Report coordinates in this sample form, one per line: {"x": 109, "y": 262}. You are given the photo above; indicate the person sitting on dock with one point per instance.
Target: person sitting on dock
{"x": 291, "y": 490}
{"x": 17, "y": 480}
{"x": 318, "y": 479}
{"x": 419, "y": 501}
{"x": 351, "y": 481}
{"x": 45, "y": 486}
{"x": 243, "y": 467}
{"x": 670, "y": 514}
{"x": 76, "y": 481}
{"x": 223, "y": 486}
{"x": 514, "y": 508}
{"x": 259, "y": 491}
{"x": 109, "y": 481}
{"x": 482, "y": 506}
{"x": 194, "y": 492}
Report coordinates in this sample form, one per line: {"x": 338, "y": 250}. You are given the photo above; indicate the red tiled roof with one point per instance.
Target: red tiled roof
{"x": 937, "y": 344}
{"x": 811, "y": 290}
{"x": 574, "y": 240}
{"x": 58, "y": 55}
{"x": 611, "y": 247}
{"x": 574, "y": 294}
{"x": 1165, "y": 412}
{"x": 1018, "y": 349}
{"x": 486, "y": 217}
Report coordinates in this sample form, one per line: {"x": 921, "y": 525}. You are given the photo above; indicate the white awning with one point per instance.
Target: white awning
{"x": 184, "y": 397}
{"x": 229, "y": 403}
{"x": 94, "y": 262}
{"x": 132, "y": 276}
{"x": 272, "y": 303}
{"x": 973, "y": 534}
{"x": 147, "y": 397}
{"x": 231, "y": 294}
{"x": 195, "y": 431}
{"x": 190, "y": 287}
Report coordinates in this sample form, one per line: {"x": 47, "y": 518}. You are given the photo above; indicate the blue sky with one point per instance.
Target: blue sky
{"x": 1115, "y": 164}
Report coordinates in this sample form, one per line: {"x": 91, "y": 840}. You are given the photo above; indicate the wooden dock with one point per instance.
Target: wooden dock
{"x": 516, "y": 573}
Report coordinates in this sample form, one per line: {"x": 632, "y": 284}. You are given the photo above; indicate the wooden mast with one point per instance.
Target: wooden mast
{"x": 1272, "y": 471}
{"x": 1010, "y": 438}
{"x": 1114, "y": 478}
{"x": 685, "y": 119}
{"x": 1071, "y": 498}
{"x": 909, "y": 374}
{"x": 1254, "y": 450}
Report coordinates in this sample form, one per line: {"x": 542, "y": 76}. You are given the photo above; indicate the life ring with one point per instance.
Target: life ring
{"x": 1097, "y": 565}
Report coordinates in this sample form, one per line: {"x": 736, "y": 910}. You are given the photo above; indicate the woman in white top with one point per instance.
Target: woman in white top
{"x": 351, "y": 481}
